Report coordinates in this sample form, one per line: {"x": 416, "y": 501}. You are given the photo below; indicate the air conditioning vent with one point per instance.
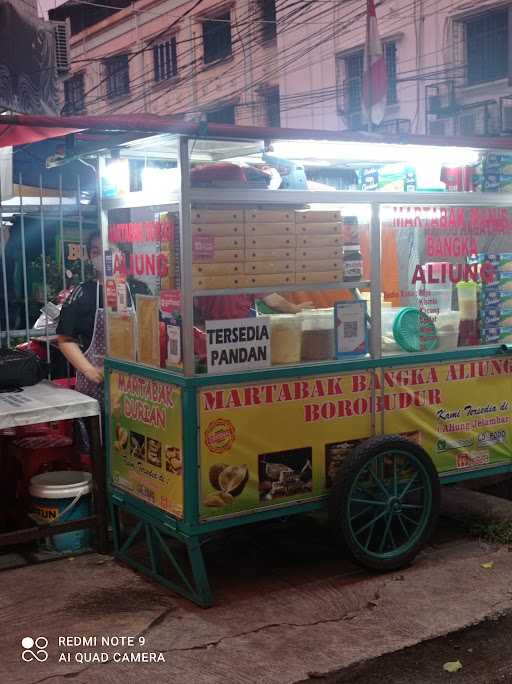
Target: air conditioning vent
{"x": 62, "y": 58}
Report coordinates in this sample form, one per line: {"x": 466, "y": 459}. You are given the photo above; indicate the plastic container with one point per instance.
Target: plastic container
{"x": 467, "y": 294}
{"x": 62, "y": 496}
{"x": 285, "y": 338}
{"x": 411, "y": 329}
{"x": 433, "y": 298}
{"x": 447, "y": 328}
{"x": 318, "y": 335}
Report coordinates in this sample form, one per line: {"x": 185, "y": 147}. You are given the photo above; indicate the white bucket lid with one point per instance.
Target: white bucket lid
{"x": 60, "y": 484}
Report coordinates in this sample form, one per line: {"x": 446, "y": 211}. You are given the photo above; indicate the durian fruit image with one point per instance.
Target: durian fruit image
{"x": 228, "y": 480}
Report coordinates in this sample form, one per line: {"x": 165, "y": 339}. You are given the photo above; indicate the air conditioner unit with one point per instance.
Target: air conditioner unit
{"x": 62, "y": 56}
{"x": 440, "y": 97}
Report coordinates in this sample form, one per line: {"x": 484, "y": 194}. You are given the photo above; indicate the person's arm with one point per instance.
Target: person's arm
{"x": 279, "y": 303}
{"x": 76, "y": 358}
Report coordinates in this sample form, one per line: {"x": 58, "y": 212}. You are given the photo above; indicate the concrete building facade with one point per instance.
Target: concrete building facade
{"x": 297, "y": 64}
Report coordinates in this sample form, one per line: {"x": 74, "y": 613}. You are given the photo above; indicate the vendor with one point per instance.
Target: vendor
{"x": 81, "y": 327}
{"x": 216, "y": 308}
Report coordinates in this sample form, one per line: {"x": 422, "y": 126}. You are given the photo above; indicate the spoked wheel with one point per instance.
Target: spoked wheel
{"x": 385, "y": 502}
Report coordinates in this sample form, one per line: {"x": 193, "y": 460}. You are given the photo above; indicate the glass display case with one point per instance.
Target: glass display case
{"x": 275, "y": 304}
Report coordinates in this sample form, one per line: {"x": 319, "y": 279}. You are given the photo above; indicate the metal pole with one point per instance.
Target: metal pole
{"x": 80, "y": 229}
{"x": 375, "y": 299}
{"x": 24, "y": 257}
{"x": 61, "y": 219}
{"x": 43, "y": 256}
{"x": 187, "y": 298}
{"x": 4, "y": 274}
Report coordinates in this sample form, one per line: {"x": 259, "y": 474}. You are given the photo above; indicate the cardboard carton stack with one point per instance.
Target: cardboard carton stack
{"x": 235, "y": 248}
{"x": 319, "y": 246}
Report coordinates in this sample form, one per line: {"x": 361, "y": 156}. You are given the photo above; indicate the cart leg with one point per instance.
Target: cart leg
{"x": 98, "y": 478}
{"x": 195, "y": 554}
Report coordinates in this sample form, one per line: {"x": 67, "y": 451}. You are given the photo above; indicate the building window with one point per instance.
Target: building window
{"x": 390, "y": 56}
{"x": 273, "y": 108}
{"x": 354, "y": 68}
{"x": 222, "y": 115}
{"x": 268, "y": 15}
{"x": 217, "y": 38}
{"x": 165, "y": 60}
{"x": 117, "y": 74}
{"x": 487, "y": 47}
{"x": 74, "y": 95}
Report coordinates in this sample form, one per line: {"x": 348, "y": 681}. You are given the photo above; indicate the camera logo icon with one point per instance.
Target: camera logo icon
{"x": 34, "y": 649}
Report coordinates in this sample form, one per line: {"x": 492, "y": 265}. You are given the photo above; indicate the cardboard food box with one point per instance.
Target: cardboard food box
{"x": 270, "y": 254}
{"x": 319, "y": 241}
{"x": 277, "y": 279}
{"x": 269, "y": 216}
{"x": 269, "y": 242}
{"x": 219, "y": 282}
{"x": 221, "y": 256}
{"x": 223, "y": 268}
{"x": 257, "y": 267}
{"x": 320, "y": 277}
{"x": 316, "y": 216}
{"x": 269, "y": 228}
{"x": 320, "y": 228}
{"x": 203, "y": 215}
{"x": 218, "y": 229}
{"x": 305, "y": 253}
{"x": 231, "y": 242}
{"x": 319, "y": 265}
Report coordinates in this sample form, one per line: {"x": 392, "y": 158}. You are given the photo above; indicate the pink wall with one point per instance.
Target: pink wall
{"x": 304, "y": 61}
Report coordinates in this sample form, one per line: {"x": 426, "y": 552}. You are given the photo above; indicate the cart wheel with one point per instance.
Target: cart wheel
{"x": 385, "y": 502}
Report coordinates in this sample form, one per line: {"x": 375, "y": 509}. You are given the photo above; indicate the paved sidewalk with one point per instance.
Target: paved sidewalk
{"x": 287, "y": 607}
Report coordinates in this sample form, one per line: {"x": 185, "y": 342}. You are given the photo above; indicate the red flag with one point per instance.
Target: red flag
{"x": 375, "y": 81}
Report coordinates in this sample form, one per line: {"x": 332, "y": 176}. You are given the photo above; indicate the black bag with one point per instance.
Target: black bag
{"x": 20, "y": 368}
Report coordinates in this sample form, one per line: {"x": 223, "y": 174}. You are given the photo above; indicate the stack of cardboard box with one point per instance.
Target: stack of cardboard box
{"x": 236, "y": 248}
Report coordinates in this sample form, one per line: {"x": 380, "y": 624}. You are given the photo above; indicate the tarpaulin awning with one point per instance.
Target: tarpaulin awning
{"x": 11, "y": 135}
{"x": 24, "y": 129}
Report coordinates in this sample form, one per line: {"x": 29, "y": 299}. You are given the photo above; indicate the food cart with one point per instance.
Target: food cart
{"x": 383, "y": 374}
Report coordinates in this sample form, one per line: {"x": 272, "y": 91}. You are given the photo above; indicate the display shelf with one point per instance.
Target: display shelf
{"x": 300, "y": 197}
{"x": 296, "y": 287}
{"x": 135, "y": 200}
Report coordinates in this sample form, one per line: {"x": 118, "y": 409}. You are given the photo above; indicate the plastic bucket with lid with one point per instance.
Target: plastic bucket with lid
{"x": 62, "y": 496}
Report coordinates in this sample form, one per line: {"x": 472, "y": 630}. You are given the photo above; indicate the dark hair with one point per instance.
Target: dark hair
{"x": 95, "y": 235}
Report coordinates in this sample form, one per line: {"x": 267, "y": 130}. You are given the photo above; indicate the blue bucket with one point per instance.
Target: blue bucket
{"x": 62, "y": 496}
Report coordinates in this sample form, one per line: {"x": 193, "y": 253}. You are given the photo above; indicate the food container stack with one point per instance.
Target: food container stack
{"x": 319, "y": 246}
{"x": 272, "y": 246}
{"x": 495, "y": 311}
{"x": 270, "y": 242}
{"x": 218, "y": 244}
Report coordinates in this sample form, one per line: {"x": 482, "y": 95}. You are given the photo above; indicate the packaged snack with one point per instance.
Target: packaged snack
{"x": 496, "y": 334}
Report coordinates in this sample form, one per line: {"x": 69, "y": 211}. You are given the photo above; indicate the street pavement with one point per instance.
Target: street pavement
{"x": 288, "y": 608}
